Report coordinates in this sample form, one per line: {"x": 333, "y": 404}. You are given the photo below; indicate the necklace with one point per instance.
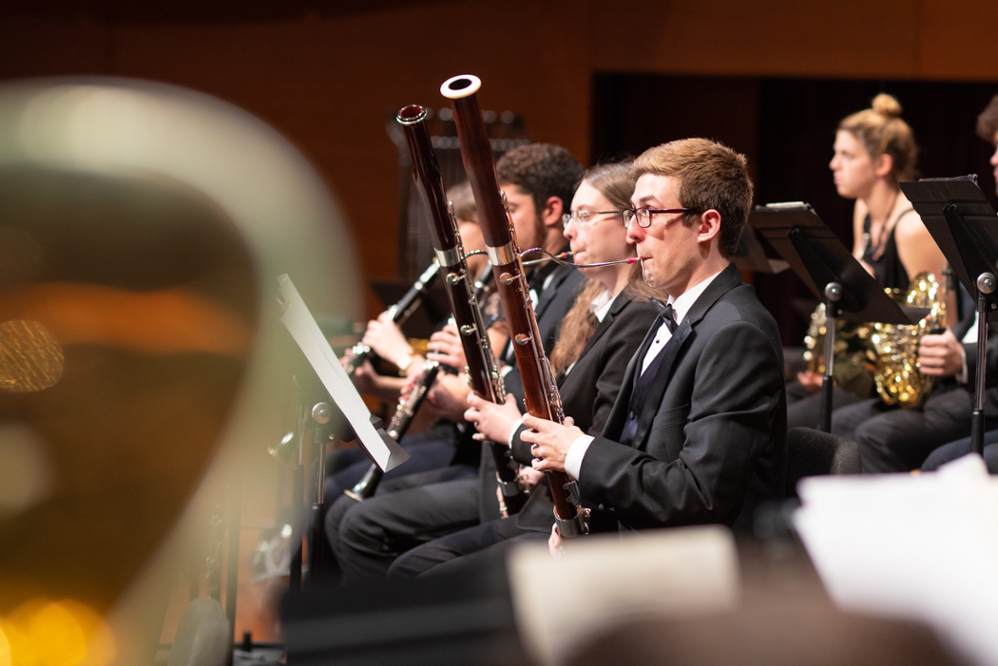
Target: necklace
{"x": 885, "y": 228}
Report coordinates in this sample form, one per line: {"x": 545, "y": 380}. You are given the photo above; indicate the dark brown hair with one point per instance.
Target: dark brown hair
{"x": 542, "y": 170}
{"x": 710, "y": 176}
{"x": 987, "y": 122}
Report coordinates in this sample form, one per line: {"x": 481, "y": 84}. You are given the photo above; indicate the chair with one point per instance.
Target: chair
{"x": 811, "y": 452}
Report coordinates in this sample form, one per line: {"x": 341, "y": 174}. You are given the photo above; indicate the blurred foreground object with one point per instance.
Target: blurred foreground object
{"x": 142, "y": 227}
{"x": 561, "y": 602}
{"x": 919, "y": 547}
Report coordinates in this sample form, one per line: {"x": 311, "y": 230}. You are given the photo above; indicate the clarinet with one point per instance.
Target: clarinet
{"x": 398, "y": 314}
{"x": 542, "y": 398}
{"x": 483, "y": 372}
{"x": 404, "y": 414}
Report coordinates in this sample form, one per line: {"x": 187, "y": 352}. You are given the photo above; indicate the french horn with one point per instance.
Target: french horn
{"x": 882, "y": 356}
{"x": 897, "y": 376}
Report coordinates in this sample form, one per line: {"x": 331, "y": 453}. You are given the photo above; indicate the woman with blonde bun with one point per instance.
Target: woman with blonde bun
{"x": 874, "y": 152}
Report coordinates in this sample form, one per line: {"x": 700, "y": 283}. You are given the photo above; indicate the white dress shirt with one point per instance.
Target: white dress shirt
{"x": 601, "y": 308}
{"x": 680, "y": 306}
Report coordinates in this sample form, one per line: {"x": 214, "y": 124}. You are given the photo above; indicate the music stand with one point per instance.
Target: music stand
{"x": 750, "y": 255}
{"x": 820, "y": 259}
{"x": 964, "y": 226}
{"x": 380, "y": 447}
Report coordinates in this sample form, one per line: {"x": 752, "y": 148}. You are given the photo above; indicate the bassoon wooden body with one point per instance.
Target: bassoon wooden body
{"x": 541, "y": 393}
{"x": 483, "y": 372}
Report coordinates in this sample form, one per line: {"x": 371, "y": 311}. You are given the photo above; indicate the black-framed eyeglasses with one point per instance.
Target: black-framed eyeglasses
{"x": 643, "y": 215}
{"x": 584, "y": 218}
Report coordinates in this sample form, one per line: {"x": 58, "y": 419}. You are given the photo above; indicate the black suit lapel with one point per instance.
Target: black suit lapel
{"x": 619, "y": 304}
{"x": 618, "y": 414}
{"x": 670, "y": 353}
{"x": 726, "y": 280}
{"x": 545, "y": 295}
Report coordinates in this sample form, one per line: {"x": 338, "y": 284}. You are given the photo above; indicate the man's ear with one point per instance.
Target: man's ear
{"x": 883, "y": 165}
{"x": 710, "y": 226}
{"x": 554, "y": 208}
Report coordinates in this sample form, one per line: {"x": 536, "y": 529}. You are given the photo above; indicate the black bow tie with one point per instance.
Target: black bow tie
{"x": 667, "y": 314}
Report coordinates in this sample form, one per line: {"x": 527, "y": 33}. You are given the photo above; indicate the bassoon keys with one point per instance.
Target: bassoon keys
{"x": 483, "y": 372}
{"x": 541, "y": 393}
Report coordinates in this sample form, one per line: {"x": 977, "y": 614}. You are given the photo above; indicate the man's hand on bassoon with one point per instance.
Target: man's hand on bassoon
{"x": 550, "y": 442}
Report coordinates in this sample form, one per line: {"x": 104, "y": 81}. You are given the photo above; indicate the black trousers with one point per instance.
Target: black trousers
{"x": 804, "y": 409}
{"x": 366, "y": 537}
{"x": 899, "y": 440}
{"x": 427, "y": 451}
{"x": 470, "y": 548}
{"x": 960, "y": 448}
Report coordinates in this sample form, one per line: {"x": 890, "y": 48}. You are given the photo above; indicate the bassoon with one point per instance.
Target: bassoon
{"x": 483, "y": 372}
{"x": 541, "y": 393}
{"x": 398, "y": 314}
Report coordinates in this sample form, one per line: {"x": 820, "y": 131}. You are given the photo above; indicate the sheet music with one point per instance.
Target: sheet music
{"x": 385, "y": 452}
{"x": 913, "y": 547}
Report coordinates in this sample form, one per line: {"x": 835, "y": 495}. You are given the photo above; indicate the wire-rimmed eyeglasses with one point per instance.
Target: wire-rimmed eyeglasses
{"x": 643, "y": 215}
{"x": 584, "y": 218}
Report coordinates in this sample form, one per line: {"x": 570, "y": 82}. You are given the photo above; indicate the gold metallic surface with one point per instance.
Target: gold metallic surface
{"x": 898, "y": 378}
{"x": 884, "y": 354}
{"x": 31, "y": 358}
{"x": 854, "y": 355}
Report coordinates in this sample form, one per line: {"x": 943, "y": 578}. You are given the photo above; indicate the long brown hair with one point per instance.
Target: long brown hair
{"x": 616, "y": 183}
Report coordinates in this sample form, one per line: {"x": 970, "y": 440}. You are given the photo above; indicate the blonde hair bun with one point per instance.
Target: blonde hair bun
{"x": 887, "y": 106}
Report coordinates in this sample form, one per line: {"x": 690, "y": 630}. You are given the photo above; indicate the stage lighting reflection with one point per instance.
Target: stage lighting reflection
{"x": 41, "y": 632}
{"x": 25, "y": 470}
{"x": 31, "y": 358}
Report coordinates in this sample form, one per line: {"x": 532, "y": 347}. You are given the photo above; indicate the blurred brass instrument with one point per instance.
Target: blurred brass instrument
{"x": 884, "y": 356}
{"x": 855, "y": 358}
{"x": 897, "y": 377}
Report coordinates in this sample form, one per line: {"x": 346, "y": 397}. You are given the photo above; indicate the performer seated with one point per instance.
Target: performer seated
{"x": 698, "y": 431}
{"x": 537, "y": 179}
{"x": 875, "y": 150}
{"x": 987, "y": 129}
{"x": 601, "y": 333}
{"x": 443, "y": 443}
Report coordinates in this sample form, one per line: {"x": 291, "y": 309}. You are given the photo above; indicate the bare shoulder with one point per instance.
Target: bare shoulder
{"x": 910, "y": 227}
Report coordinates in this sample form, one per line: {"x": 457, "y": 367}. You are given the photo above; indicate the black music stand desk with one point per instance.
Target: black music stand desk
{"x": 828, "y": 269}
{"x": 965, "y": 227}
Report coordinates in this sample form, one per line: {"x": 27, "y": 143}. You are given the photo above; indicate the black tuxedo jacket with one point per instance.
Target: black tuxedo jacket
{"x": 711, "y": 440}
{"x": 589, "y": 391}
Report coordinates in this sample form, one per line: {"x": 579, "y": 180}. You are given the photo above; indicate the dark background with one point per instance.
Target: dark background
{"x": 786, "y": 127}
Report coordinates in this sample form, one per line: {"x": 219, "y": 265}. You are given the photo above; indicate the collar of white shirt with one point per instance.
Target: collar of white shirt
{"x": 682, "y": 304}
{"x": 601, "y": 305}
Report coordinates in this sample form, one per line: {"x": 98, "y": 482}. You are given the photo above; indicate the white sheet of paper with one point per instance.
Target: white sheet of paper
{"x": 301, "y": 324}
{"x": 606, "y": 580}
{"x": 913, "y": 547}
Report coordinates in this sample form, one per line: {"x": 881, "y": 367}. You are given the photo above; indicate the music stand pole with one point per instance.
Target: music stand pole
{"x": 833, "y": 294}
{"x": 322, "y": 414}
{"x": 986, "y": 284}
{"x": 297, "y": 508}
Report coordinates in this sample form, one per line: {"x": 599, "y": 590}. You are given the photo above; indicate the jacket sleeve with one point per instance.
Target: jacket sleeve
{"x": 714, "y": 440}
